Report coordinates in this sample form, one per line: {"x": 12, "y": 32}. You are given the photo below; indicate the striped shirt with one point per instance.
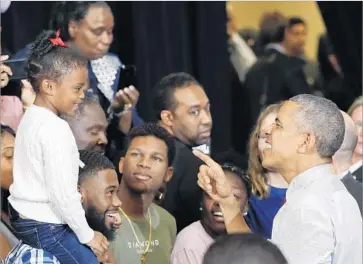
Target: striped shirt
{"x": 24, "y": 254}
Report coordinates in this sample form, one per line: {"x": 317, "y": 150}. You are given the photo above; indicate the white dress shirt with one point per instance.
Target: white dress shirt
{"x": 241, "y": 56}
{"x": 355, "y": 166}
{"x": 46, "y": 165}
{"x": 320, "y": 223}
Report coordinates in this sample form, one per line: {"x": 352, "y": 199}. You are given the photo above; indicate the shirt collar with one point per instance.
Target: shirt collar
{"x": 276, "y": 46}
{"x": 342, "y": 175}
{"x": 355, "y": 166}
{"x": 307, "y": 177}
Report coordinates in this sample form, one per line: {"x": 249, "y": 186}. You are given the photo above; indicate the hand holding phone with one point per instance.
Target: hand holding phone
{"x": 18, "y": 68}
{"x": 127, "y": 76}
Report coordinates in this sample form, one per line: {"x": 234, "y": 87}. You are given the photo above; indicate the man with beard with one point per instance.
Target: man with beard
{"x": 97, "y": 184}
{"x": 148, "y": 231}
{"x": 182, "y": 107}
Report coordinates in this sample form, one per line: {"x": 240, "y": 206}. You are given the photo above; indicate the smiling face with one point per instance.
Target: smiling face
{"x": 90, "y": 128}
{"x": 68, "y": 92}
{"x": 212, "y": 218}
{"x": 100, "y": 201}
{"x": 7, "y": 153}
{"x": 145, "y": 166}
{"x": 265, "y": 131}
{"x": 285, "y": 139}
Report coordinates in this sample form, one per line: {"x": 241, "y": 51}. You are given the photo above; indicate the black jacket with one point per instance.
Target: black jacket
{"x": 355, "y": 188}
{"x": 274, "y": 77}
{"x": 183, "y": 195}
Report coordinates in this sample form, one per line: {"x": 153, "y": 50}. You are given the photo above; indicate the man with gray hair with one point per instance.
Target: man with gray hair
{"x": 320, "y": 222}
{"x": 342, "y": 160}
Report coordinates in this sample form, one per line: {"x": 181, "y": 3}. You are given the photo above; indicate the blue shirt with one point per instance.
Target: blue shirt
{"x": 262, "y": 212}
{"x": 24, "y": 254}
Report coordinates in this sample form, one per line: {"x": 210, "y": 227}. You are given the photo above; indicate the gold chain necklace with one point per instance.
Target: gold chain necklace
{"x": 144, "y": 254}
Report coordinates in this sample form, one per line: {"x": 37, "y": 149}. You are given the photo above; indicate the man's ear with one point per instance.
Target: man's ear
{"x": 307, "y": 143}
{"x": 169, "y": 174}
{"x": 82, "y": 191}
{"x": 121, "y": 165}
{"x": 167, "y": 117}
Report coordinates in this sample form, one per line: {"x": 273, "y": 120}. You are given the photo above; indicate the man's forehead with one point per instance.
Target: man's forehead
{"x": 149, "y": 144}
{"x": 287, "y": 109}
{"x": 191, "y": 95}
{"x": 108, "y": 176}
{"x": 94, "y": 113}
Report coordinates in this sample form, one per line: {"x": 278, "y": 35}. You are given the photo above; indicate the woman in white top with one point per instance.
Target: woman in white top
{"x": 45, "y": 207}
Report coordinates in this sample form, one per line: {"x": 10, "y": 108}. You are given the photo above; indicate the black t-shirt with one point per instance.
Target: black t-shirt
{"x": 183, "y": 195}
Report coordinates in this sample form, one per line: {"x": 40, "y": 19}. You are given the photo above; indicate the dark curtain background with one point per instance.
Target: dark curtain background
{"x": 343, "y": 21}
{"x": 159, "y": 38}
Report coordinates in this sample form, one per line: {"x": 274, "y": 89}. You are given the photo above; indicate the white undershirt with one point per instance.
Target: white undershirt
{"x": 46, "y": 166}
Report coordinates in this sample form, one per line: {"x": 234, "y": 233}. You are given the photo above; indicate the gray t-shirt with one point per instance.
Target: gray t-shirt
{"x": 126, "y": 249}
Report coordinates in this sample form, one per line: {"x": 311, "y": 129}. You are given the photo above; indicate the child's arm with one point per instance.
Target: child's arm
{"x": 61, "y": 166}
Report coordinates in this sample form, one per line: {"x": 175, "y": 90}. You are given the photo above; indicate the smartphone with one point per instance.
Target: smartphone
{"x": 18, "y": 67}
{"x": 127, "y": 76}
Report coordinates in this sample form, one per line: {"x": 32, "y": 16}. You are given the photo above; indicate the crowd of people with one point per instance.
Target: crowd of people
{"x": 85, "y": 180}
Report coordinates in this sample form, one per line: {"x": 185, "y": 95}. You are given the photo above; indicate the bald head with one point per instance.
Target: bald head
{"x": 343, "y": 156}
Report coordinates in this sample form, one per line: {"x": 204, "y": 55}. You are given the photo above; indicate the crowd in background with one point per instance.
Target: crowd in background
{"x": 84, "y": 179}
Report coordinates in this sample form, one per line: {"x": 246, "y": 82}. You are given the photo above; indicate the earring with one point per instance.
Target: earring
{"x": 245, "y": 213}
{"x": 201, "y": 209}
{"x": 161, "y": 195}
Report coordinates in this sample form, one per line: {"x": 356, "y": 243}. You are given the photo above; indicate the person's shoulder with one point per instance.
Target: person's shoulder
{"x": 56, "y": 127}
{"x": 43, "y": 121}
{"x": 163, "y": 214}
{"x": 185, "y": 156}
{"x": 189, "y": 231}
{"x": 191, "y": 237}
{"x": 113, "y": 58}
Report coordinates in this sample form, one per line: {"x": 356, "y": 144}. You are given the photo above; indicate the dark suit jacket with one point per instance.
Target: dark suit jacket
{"x": 355, "y": 188}
{"x": 183, "y": 195}
{"x": 358, "y": 174}
{"x": 276, "y": 75}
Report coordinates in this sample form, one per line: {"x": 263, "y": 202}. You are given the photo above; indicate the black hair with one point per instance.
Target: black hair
{"x": 292, "y": 21}
{"x": 64, "y": 12}
{"x": 5, "y": 128}
{"x": 93, "y": 162}
{"x": 289, "y": 23}
{"x": 232, "y": 161}
{"x": 50, "y": 61}
{"x": 243, "y": 249}
{"x": 165, "y": 88}
{"x": 153, "y": 129}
